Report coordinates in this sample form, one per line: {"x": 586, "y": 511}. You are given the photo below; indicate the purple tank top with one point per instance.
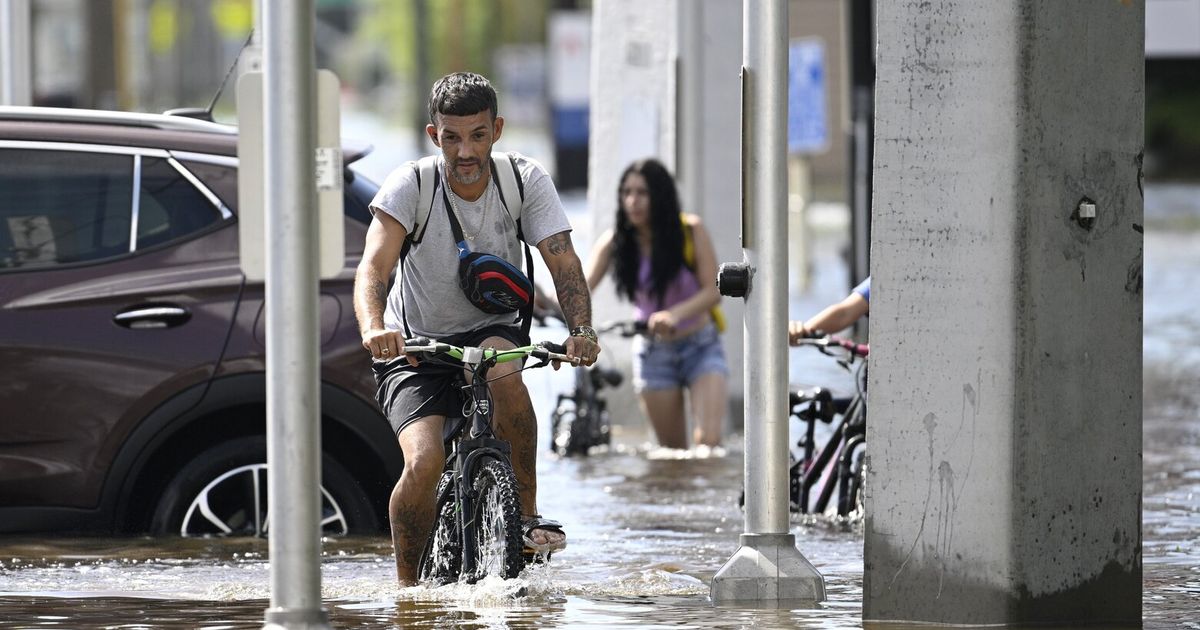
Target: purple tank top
{"x": 681, "y": 288}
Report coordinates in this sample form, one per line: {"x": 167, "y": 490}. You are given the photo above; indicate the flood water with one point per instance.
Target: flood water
{"x": 647, "y": 528}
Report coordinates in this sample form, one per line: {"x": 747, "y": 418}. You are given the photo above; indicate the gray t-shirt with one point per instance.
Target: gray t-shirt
{"x": 434, "y": 305}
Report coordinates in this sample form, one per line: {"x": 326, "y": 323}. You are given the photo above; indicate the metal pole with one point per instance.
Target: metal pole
{"x": 421, "y": 44}
{"x": 252, "y": 57}
{"x": 861, "y": 54}
{"x": 765, "y": 242}
{"x": 15, "y": 75}
{"x": 293, "y": 366}
{"x": 690, "y": 99}
{"x": 767, "y": 567}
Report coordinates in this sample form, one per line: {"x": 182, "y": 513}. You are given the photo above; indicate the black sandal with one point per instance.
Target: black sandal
{"x": 530, "y": 523}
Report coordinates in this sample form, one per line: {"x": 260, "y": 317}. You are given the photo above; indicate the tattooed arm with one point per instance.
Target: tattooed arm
{"x": 573, "y": 295}
{"x": 381, "y": 252}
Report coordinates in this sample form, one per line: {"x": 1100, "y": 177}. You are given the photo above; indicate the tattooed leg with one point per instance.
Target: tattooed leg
{"x": 411, "y": 506}
{"x": 516, "y": 423}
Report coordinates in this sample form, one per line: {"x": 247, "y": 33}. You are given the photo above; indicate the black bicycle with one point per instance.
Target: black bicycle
{"x": 478, "y": 530}
{"x": 838, "y": 465}
{"x": 580, "y": 419}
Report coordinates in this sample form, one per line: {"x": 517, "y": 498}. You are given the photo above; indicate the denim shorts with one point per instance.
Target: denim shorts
{"x": 678, "y": 363}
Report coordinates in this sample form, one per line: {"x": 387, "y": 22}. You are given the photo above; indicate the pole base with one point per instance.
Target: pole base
{"x": 768, "y": 568}
{"x": 297, "y": 619}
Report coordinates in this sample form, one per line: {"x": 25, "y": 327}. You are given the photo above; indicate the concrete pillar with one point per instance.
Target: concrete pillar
{"x": 1004, "y": 463}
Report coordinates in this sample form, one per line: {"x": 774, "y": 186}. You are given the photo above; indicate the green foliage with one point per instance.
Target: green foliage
{"x": 457, "y": 34}
{"x": 1173, "y": 119}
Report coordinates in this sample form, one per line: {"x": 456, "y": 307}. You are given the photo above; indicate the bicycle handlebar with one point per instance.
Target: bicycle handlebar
{"x": 472, "y": 355}
{"x": 626, "y": 327}
{"x": 823, "y": 342}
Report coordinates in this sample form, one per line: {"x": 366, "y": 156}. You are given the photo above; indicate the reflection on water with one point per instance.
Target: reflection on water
{"x": 647, "y": 530}
{"x": 646, "y": 536}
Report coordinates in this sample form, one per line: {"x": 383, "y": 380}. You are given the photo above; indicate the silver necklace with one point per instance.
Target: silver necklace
{"x": 463, "y": 224}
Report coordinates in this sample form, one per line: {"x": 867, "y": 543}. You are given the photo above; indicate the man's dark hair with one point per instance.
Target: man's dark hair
{"x": 461, "y": 94}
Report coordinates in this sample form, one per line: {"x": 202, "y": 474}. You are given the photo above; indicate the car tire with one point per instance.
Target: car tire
{"x": 222, "y": 492}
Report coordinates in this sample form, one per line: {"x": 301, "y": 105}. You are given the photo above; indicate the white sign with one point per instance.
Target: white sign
{"x": 329, "y": 169}
{"x": 252, "y": 232}
{"x": 569, "y": 35}
{"x": 1173, "y": 28}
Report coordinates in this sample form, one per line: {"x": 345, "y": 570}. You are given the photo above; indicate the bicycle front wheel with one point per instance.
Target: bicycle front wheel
{"x": 496, "y": 522}
{"x": 441, "y": 561}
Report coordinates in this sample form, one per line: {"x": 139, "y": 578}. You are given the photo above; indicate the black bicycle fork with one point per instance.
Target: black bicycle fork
{"x": 470, "y": 454}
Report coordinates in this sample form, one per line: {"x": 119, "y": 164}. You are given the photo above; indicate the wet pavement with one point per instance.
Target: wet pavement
{"x": 647, "y": 528}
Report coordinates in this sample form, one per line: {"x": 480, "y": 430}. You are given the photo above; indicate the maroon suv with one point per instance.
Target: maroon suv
{"x": 131, "y": 346}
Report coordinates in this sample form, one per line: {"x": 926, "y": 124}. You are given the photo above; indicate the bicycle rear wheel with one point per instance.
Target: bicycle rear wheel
{"x": 496, "y": 522}
{"x": 441, "y": 562}
{"x": 569, "y": 432}
{"x": 853, "y": 502}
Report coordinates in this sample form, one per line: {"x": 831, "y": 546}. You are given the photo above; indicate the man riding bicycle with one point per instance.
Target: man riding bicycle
{"x": 466, "y": 240}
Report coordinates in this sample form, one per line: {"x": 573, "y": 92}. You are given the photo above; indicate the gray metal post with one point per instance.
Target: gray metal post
{"x": 293, "y": 362}
{"x": 252, "y": 57}
{"x": 15, "y": 74}
{"x": 689, "y": 97}
{"x": 767, "y": 567}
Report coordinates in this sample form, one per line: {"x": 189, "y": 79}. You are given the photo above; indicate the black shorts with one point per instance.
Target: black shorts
{"x": 407, "y": 394}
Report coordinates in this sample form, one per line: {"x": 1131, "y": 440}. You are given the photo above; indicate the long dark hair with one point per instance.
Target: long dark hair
{"x": 666, "y": 230}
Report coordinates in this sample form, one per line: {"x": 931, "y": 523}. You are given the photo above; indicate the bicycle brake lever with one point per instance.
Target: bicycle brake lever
{"x": 553, "y": 347}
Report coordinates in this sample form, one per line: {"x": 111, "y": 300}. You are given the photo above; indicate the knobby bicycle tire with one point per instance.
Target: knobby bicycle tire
{"x": 441, "y": 561}
{"x": 561, "y": 424}
{"x": 579, "y": 431}
{"x": 854, "y": 495}
{"x": 569, "y": 432}
{"x": 496, "y": 522}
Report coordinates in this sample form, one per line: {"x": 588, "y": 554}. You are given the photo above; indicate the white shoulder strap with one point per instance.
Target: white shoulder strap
{"x": 506, "y": 177}
{"x": 427, "y": 183}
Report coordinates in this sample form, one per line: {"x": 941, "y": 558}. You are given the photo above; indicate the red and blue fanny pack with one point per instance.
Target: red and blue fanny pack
{"x": 489, "y": 282}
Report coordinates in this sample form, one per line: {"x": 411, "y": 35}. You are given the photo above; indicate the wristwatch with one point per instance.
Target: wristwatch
{"x": 587, "y": 332}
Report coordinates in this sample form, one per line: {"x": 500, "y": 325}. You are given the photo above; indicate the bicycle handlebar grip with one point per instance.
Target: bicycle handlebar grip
{"x": 859, "y": 349}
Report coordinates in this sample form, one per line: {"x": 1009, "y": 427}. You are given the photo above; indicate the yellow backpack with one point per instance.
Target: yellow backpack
{"x": 689, "y": 259}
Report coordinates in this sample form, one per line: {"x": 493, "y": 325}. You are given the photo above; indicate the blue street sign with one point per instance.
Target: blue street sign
{"x": 808, "y": 124}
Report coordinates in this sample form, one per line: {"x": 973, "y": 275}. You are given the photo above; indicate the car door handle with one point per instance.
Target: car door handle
{"x": 152, "y": 317}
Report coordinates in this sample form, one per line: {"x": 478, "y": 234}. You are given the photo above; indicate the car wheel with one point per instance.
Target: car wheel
{"x": 223, "y": 492}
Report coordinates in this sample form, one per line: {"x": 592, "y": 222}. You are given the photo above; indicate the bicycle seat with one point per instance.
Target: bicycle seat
{"x": 815, "y": 403}
{"x": 606, "y": 377}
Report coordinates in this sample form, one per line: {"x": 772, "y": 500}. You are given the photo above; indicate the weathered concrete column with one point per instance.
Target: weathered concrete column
{"x": 1005, "y": 383}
